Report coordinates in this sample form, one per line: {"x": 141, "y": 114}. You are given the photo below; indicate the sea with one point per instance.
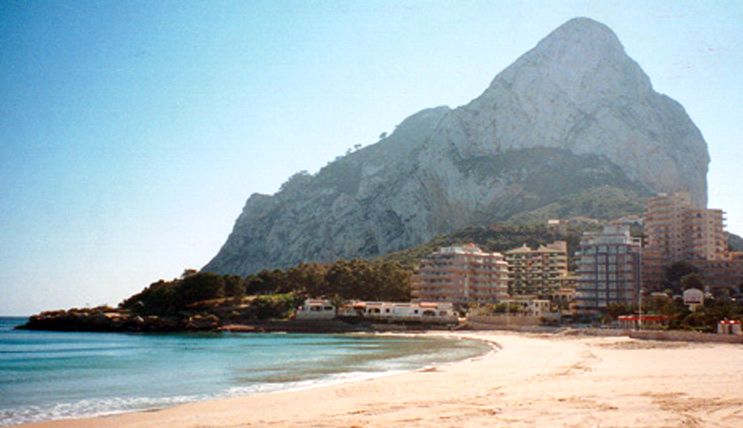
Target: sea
{"x": 57, "y": 375}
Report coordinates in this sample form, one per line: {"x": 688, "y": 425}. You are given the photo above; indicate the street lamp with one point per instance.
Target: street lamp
{"x": 639, "y": 284}
{"x": 639, "y": 319}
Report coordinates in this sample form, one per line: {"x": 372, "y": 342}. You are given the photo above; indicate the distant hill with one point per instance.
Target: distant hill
{"x": 573, "y": 127}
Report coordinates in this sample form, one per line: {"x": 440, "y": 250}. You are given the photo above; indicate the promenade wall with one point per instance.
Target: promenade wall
{"x": 686, "y": 336}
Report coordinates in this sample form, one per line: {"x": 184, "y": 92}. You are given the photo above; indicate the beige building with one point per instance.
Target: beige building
{"x": 537, "y": 271}
{"x": 705, "y": 237}
{"x": 531, "y": 307}
{"x": 678, "y": 231}
{"x": 564, "y": 297}
{"x": 664, "y": 224}
{"x": 461, "y": 275}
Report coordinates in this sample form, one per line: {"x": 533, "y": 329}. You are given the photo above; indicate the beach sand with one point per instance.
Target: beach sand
{"x": 532, "y": 380}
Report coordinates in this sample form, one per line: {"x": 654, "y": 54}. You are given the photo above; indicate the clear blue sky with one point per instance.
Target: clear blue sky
{"x": 131, "y": 133}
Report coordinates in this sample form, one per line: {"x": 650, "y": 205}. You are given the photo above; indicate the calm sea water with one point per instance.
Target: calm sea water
{"x": 51, "y": 375}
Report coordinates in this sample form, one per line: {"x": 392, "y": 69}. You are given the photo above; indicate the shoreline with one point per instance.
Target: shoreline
{"x": 532, "y": 380}
{"x": 392, "y": 368}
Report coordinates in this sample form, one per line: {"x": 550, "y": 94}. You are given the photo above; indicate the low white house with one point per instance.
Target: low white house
{"x": 315, "y": 309}
{"x": 427, "y": 312}
{"x": 437, "y": 312}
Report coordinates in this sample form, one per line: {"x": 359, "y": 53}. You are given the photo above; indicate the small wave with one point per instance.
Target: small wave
{"x": 309, "y": 384}
{"x": 90, "y": 408}
{"x": 111, "y": 406}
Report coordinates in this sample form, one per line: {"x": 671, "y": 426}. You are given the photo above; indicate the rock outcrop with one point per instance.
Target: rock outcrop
{"x": 572, "y": 125}
{"x": 101, "y": 319}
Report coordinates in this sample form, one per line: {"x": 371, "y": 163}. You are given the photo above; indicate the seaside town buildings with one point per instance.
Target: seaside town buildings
{"x": 612, "y": 265}
{"x": 462, "y": 275}
{"x": 676, "y": 231}
{"x": 537, "y": 271}
{"x": 609, "y": 269}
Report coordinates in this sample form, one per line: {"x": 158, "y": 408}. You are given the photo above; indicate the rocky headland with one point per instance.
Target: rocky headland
{"x": 572, "y": 128}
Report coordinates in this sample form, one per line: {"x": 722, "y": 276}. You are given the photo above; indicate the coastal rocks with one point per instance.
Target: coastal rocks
{"x": 201, "y": 322}
{"x": 569, "y": 129}
{"x": 100, "y": 319}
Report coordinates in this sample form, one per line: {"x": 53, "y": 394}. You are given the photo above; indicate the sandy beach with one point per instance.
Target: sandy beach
{"x": 531, "y": 380}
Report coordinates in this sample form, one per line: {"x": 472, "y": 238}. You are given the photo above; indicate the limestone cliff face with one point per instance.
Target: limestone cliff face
{"x": 570, "y": 124}
{"x": 578, "y": 90}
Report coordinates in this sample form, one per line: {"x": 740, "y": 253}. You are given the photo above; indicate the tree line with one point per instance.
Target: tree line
{"x": 341, "y": 280}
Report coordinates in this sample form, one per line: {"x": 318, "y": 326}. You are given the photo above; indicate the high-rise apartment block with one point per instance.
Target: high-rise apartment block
{"x": 608, "y": 269}
{"x": 676, "y": 231}
{"x": 537, "y": 272}
{"x": 679, "y": 231}
{"x": 462, "y": 275}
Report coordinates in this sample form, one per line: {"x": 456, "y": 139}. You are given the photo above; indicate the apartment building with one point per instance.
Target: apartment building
{"x": 537, "y": 271}
{"x": 462, "y": 275}
{"x": 664, "y": 224}
{"x": 608, "y": 269}
{"x": 704, "y": 235}
{"x": 676, "y": 230}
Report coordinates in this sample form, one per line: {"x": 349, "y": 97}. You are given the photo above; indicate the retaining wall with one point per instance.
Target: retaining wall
{"x": 686, "y": 336}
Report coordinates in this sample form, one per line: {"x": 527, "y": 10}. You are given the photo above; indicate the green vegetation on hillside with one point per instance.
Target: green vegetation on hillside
{"x": 555, "y": 183}
{"x": 275, "y": 292}
{"x": 344, "y": 279}
{"x": 170, "y": 297}
{"x": 605, "y": 202}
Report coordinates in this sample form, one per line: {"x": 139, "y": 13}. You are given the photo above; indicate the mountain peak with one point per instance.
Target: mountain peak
{"x": 583, "y": 58}
{"x": 581, "y": 34}
{"x": 585, "y": 25}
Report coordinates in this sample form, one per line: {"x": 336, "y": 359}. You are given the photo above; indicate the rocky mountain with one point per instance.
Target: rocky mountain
{"x": 573, "y": 127}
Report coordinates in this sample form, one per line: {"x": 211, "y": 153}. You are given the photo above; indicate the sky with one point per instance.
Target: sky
{"x": 132, "y": 133}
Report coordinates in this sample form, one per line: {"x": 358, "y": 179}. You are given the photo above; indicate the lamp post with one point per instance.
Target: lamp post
{"x": 639, "y": 284}
{"x": 639, "y": 319}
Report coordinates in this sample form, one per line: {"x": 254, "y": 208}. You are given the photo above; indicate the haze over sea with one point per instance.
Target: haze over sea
{"x": 52, "y": 375}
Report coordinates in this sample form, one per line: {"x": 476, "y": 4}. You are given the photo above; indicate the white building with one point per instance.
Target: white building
{"x": 438, "y": 312}
{"x": 315, "y": 309}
